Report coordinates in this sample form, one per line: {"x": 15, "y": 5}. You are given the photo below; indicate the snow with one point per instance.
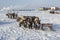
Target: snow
{"x": 10, "y": 30}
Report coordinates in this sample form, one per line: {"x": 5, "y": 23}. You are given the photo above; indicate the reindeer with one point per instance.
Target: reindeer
{"x": 36, "y": 23}
{"x": 49, "y": 25}
{"x": 29, "y": 22}
{"x": 9, "y": 15}
{"x": 22, "y": 21}
{"x": 12, "y": 15}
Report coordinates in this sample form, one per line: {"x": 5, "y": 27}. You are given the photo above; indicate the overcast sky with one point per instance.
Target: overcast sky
{"x": 30, "y": 3}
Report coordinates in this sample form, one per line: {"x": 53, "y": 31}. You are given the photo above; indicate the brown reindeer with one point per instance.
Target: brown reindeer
{"x": 36, "y": 23}
{"x": 49, "y": 25}
{"x": 22, "y": 21}
{"x": 8, "y": 15}
{"x": 11, "y": 15}
{"x": 29, "y": 22}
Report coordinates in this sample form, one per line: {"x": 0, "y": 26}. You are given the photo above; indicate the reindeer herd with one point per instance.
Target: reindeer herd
{"x": 29, "y": 21}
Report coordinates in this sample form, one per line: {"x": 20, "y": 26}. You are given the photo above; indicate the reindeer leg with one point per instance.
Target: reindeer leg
{"x": 30, "y": 26}
{"x": 38, "y": 26}
{"x": 50, "y": 27}
{"x": 42, "y": 27}
{"x": 16, "y": 15}
{"x": 8, "y": 16}
{"x": 25, "y": 24}
{"x": 11, "y": 16}
{"x": 35, "y": 26}
{"x": 19, "y": 24}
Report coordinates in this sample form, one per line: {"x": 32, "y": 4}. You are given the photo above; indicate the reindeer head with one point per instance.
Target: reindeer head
{"x": 6, "y": 14}
{"x": 18, "y": 19}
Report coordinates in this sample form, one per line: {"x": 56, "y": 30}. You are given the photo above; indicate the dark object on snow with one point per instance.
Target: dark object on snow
{"x": 49, "y": 25}
{"x": 28, "y": 21}
{"x": 36, "y": 23}
{"x": 52, "y": 12}
{"x": 12, "y": 15}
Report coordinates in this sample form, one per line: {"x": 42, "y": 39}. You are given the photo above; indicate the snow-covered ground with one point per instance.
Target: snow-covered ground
{"x": 10, "y": 30}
